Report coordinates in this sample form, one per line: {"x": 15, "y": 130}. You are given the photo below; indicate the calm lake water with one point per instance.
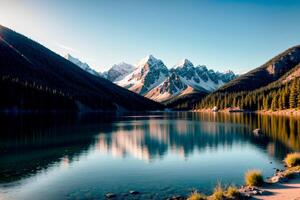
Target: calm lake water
{"x": 157, "y": 154}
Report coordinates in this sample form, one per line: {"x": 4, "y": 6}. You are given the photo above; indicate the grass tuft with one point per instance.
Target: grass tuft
{"x": 197, "y": 196}
{"x": 292, "y": 159}
{"x": 232, "y": 192}
{"x": 219, "y": 193}
{"x": 254, "y": 178}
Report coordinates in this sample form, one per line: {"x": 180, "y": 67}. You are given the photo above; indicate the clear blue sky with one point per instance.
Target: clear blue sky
{"x": 223, "y": 34}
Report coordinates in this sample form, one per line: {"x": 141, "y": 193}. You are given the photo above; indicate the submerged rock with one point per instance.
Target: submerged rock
{"x": 257, "y": 131}
{"x": 110, "y": 195}
{"x": 279, "y": 178}
{"x": 177, "y": 197}
{"x": 133, "y": 192}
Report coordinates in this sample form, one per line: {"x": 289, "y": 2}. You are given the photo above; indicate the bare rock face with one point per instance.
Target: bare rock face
{"x": 173, "y": 84}
{"x": 283, "y": 63}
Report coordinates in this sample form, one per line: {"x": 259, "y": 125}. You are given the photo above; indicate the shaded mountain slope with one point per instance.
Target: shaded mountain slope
{"x": 35, "y": 78}
{"x": 265, "y": 74}
{"x": 273, "y": 86}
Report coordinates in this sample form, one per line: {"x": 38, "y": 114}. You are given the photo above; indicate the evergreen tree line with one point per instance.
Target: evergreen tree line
{"x": 276, "y": 96}
{"x": 32, "y": 95}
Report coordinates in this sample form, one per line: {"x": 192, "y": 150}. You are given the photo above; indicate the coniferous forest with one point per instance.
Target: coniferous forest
{"x": 273, "y": 97}
{"x": 273, "y": 86}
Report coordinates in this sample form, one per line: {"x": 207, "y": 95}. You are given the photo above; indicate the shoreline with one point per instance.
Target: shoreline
{"x": 289, "y": 190}
{"x": 286, "y": 112}
{"x": 277, "y": 187}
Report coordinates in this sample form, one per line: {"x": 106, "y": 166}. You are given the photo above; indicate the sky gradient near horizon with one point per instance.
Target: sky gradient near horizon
{"x": 222, "y": 34}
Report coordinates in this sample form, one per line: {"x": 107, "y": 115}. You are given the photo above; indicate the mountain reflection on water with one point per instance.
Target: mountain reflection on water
{"x": 30, "y": 144}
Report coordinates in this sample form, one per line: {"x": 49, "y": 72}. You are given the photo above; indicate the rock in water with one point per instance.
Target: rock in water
{"x": 133, "y": 192}
{"x": 110, "y": 195}
{"x": 257, "y": 131}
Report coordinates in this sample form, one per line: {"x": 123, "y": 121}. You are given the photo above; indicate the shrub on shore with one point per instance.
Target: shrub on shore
{"x": 197, "y": 196}
{"x": 254, "y": 178}
{"x": 292, "y": 159}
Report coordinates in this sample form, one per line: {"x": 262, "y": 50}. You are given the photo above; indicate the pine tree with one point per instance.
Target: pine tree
{"x": 293, "y": 95}
{"x": 274, "y": 103}
{"x": 298, "y": 99}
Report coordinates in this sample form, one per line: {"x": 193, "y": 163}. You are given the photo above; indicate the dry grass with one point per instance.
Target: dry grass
{"x": 197, "y": 196}
{"x": 254, "y": 178}
{"x": 232, "y": 192}
{"x": 219, "y": 193}
{"x": 292, "y": 159}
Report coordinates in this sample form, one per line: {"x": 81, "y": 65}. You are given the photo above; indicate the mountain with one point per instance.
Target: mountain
{"x": 82, "y": 65}
{"x": 149, "y": 73}
{"x": 33, "y": 77}
{"x": 118, "y": 71}
{"x": 274, "y": 85}
{"x": 269, "y": 72}
{"x": 200, "y": 78}
{"x": 152, "y": 79}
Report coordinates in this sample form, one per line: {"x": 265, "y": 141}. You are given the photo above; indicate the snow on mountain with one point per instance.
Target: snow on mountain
{"x": 82, "y": 65}
{"x": 170, "y": 87}
{"x": 152, "y": 79}
{"x": 149, "y": 73}
{"x": 118, "y": 71}
{"x": 184, "y": 63}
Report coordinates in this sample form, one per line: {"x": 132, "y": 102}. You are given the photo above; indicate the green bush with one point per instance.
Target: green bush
{"x": 292, "y": 159}
{"x": 254, "y": 178}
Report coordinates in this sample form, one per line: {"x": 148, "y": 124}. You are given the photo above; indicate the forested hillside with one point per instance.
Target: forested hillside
{"x": 34, "y": 78}
{"x": 273, "y": 86}
{"x": 273, "y": 97}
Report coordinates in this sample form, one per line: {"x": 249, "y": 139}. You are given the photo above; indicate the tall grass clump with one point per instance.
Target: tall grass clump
{"x": 254, "y": 178}
{"x": 292, "y": 159}
{"x": 232, "y": 192}
{"x": 225, "y": 193}
{"x": 197, "y": 196}
{"x": 219, "y": 193}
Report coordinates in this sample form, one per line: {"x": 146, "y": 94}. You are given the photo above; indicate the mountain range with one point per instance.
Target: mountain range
{"x": 151, "y": 78}
{"x": 33, "y": 78}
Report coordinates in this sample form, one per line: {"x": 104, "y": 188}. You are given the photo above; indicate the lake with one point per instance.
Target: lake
{"x": 156, "y": 154}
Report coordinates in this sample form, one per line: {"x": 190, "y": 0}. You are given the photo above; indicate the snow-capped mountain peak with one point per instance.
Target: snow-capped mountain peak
{"x": 150, "y": 59}
{"x": 119, "y": 71}
{"x": 80, "y": 64}
{"x": 184, "y": 63}
{"x": 149, "y": 73}
{"x": 152, "y": 79}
